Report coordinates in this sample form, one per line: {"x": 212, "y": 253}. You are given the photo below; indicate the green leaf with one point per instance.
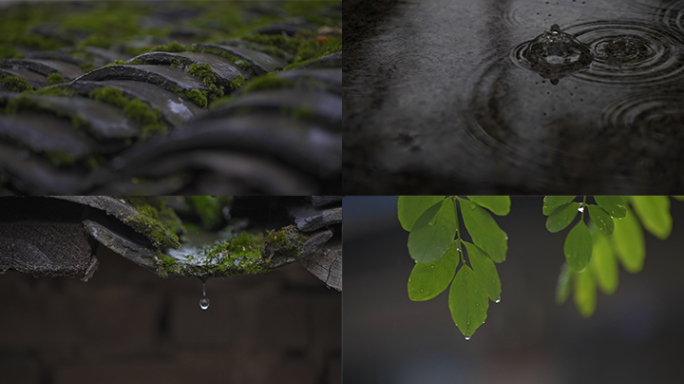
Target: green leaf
{"x": 614, "y": 205}
{"x": 409, "y": 208}
{"x": 484, "y": 231}
{"x": 562, "y": 217}
{"x": 628, "y": 242}
{"x": 578, "y": 246}
{"x": 585, "y": 293}
{"x": 433, "y": 233}
{"x": 431, "y": 279}
{"x": 603, "y": 264}
{"x": 499, "y": 205}
{"x": 467, "y": 302}
{"x": 485, "y": 271}
{"x": 602, "y": 219}
{"x": 680, "y": 198}
{"x": 654, "y": 212}
{"x": 553, "y": 202}
{"x": 563, "y": 286}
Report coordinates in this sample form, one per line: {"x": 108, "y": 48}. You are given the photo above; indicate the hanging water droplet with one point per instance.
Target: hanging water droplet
{"x": 204, "y": 303}
{"x": 467, "y": 338}
{"x": 498, "y": 300}
{"x": 580, "y": 209}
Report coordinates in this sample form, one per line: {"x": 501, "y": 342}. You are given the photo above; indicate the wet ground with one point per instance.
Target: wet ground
{"x": 527, "y": 96}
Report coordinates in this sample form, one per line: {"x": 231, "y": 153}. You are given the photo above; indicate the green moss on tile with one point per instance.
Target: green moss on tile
{"x": 9, "y": 52}
{"x": 156, "y": 221}
{"x": 196, "y": 96}
{"x": 266, "y": 82}
{"x": 56, "y": 78}
{"x": 246, "y": 253}
{"x": 35, "y": 41}
{"x": 287, "y": 44}
{"x": 171, "y": 47}
{"x": 16, "y": 84}
{"x": 239, "y": 82}
{"x": 204, "y": 72}
{"x": 56, "y": 91}
{"x": 238, "y": 61}
{"x": 222, "y": 101}
{"x": 149, "y": 117}
{"x": 303, "y": 113}
{"x": 87, "y": 66}
{"x": 96, "y": 40}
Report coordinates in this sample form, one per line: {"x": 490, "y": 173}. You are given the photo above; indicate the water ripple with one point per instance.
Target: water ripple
{"x": 657, "y": 117}
{"x": 672, "y": 15}
{"x": 630, "y": 52}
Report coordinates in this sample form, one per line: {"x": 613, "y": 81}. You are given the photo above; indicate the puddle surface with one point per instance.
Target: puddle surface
{"x": 454, "y": 96}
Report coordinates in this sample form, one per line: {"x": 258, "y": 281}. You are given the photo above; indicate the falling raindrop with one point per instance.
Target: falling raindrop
{"x": 204, "y": 302}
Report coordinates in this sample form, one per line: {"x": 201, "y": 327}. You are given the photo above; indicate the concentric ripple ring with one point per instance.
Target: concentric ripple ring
{"x": 630, "y": 52}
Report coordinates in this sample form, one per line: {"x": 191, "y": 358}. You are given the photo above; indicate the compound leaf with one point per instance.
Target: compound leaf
{"x": 429, "y": 280}
{"x": 553, "y": 202}
{"x": 654, "y": 212}
{"x": 433, "y": 233}
{"x": 578, "y": 246}
{"x": 564, "y": 282}
{"x": 484, "y": 231}
{"x": 409, "y": 208}
{"x": 468, "y": 302}
{"x": 485, "y": 271}
{"x": 628, "y": 242}
{"x": 601, "y": 219}
{"x": 499, "y": 205}
{"x": 603, "y": 264}
{"x": 614, "y": 205}
{"x": 561, "y": 217}
{"x": 585, "y": 293}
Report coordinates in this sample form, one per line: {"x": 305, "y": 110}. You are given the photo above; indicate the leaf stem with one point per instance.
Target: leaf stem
{"x": 584, "y": 207}
{"x": 459, "y": 243}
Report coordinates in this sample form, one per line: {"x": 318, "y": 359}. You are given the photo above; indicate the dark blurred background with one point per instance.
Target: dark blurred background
{"x": 126, "y": 325}
{"x": 635, "y": 335}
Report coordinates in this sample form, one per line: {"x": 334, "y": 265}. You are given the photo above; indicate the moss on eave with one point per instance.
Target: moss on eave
{"x": 244, "y": 254}
{"x": 156, "y": 220}
{"x": 159, "y": 235}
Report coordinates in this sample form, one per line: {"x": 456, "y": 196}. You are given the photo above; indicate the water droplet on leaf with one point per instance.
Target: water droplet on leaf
{"x": 467, "y": 337}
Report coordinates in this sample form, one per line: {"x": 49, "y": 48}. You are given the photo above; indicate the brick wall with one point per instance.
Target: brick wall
{"x": 127, "y": 325}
